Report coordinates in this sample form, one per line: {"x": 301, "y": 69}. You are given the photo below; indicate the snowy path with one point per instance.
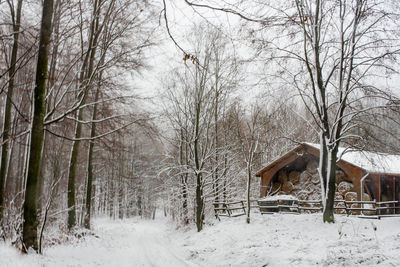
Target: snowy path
{"x": 120, "y": 243}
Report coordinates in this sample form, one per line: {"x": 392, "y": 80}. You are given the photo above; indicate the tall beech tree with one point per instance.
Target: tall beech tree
{"x": 30, "y": 224}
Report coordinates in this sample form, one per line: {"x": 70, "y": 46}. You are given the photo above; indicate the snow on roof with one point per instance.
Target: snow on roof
{"x": 369, "y": 161}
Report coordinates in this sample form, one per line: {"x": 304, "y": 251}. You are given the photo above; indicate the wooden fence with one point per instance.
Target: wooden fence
{"x": 365, "y": 209}
{"x": 234, "y": 208}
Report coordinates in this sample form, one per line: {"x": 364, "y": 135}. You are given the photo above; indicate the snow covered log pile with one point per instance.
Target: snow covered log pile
{"x": 305, "y": 185}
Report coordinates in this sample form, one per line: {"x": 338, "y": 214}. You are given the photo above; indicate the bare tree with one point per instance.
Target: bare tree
{"x": 196, "y": 109}
{"x": 36, "y": 141}
{"x": 249, "y": 136}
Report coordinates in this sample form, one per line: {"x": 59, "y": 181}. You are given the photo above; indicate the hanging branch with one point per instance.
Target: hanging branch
{"x": 187, "y": 55}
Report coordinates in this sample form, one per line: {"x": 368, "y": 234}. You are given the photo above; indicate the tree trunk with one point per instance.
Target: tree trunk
{"x": 90, "y": 164}
{"x": 35, "y": 154}
{"x": 105, "y": 197}
{"x": 50, "y": 83}
{"x": 225, "y": 171}
{"x": 323, "y": 166}
{"x": 85, "y": 81}
{"x": 328, "y": 215}
{"x": 120, "y": 196}
{"x": 199, "y": 180}
{"x": 199, "y": 203}
{"x": 185, "y": 200}
{"x": 183, "y": 158}
{"x": 216, "y": 177}
{"x": 111, "y": 190}
{"x": 72, "y": 175}
{"x": 7, "y": 109}
{"x": 248, "y": 190}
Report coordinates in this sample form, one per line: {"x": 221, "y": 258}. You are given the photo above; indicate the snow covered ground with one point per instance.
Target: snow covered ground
{"x": 296, "y": 240}
{"x": 270, "y": 240}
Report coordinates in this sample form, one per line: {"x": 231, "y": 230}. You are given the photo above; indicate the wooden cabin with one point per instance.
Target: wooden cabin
{"x": 360, "y": 175}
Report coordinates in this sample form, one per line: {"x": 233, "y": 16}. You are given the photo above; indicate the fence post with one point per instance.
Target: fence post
{"x": 243, "y": 207}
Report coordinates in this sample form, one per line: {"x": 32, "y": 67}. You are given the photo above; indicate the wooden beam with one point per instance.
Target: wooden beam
{"x": 266, "y": 179}
{"x": 379, "y": 188}
{"x": 394, "y": 189}
{"x": 296, "y": 150}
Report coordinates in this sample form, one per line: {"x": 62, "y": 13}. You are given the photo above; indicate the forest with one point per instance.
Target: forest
{"x": 128, "y": 108}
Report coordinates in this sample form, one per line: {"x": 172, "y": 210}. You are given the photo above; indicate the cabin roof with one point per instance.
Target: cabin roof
{"x": 370, "y": 162}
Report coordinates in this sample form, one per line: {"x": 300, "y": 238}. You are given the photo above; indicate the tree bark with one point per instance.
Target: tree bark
{"x": 29, "y": 235}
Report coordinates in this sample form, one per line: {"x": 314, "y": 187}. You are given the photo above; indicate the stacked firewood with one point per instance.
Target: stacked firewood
{"x": 306, "y": 185}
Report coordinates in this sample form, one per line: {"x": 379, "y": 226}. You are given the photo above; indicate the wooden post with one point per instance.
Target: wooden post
{"x": 396, "y": 184}
{"x": 379, "y": 192}
{"x": 215, "y": 210}
{"x": 394, "y": 188}
{"x": 379, "y": 188}
{"x": 394, "y": 195}
{"x": 227, "y": 209}
{"x": 346, "y": 208}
